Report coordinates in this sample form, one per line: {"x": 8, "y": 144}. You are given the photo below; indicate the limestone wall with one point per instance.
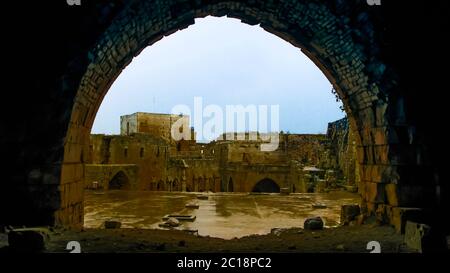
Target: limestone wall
{"x": 147, "y": 152}
{"x": 128, "y": 124}
{"x": 341, "y": 152}
{"x": 307, "y": 149}
{"x": 203, "y": 167}
{"x": 98, "y": 176}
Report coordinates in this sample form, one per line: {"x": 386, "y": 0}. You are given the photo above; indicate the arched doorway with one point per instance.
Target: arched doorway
{"x": 176, "y": 186}
{"x": 266, "y": 185}
{"x": 230, "y": 186}
{"x": 120, "y": 181}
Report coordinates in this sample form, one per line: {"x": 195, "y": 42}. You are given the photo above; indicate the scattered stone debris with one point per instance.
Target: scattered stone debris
{"x": 191, "y": 231}
{"x": 314, "y": 223}
{"x": 276, "y": 231}
{"x": 319, "y": 206}
{"x": 170, "y": 223}
{"x": 283, "y": 231}
{"x": 354, "y": 239}
{"x": 192, "y": 206}
{"x": 112, "y": 224}
{"x": 28, "y": 239}
{"x": 180, "y": 217}
{"x": 349, "y": 213}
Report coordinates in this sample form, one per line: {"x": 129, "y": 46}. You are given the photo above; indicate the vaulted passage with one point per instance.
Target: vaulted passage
{"x": 360, "y": 48}
{"x": 119, "y": 182}
{"x": 266, "y": 185}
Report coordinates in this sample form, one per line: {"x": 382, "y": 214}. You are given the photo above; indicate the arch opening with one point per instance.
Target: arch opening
{"x": 347, "y": 68}
{"x": 361, "y": 49}
{"x": 120, "y": 181}
{"x": 266, "y": 185}
{"x": 230, "y": 186}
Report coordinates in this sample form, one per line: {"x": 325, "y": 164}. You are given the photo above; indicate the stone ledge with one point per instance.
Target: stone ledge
{"x": 28, "y": 239}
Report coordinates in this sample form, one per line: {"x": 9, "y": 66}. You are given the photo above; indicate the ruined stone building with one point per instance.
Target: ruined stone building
{"x": 145, "y": 157}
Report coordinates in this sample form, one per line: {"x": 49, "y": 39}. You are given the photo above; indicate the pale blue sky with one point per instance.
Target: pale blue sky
{"x": 225, "y": 62}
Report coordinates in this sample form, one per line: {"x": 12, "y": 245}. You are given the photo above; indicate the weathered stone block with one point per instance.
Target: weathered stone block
{"x": 376, "y": 173}
{"x": 391, "y": 194}
{"x": 314, "y": 223}
{"x": 374, "y": 192}
{"x": 349, "y": 213}
{"x": 380, "y": 136}
{"x": 380, "y": 114}
{"x": 381, "y": 154}
{"x": 416, "y": 235}
{"x": 401, "y": 215}
{"x": 28, "y": 239}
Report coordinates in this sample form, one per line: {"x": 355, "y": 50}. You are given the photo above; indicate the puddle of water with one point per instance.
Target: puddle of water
{"x": 223, "y": 215}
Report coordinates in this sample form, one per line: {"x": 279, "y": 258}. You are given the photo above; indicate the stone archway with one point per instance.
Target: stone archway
{"x": 230, "y": 185}
{"x": 266, "y": 185}
{"x": 350, "y": 63}
{"x": 119, "y": 181}
{"x": 176, "y": 185}
{"x": 159, "y": 185}
{"x": 339, "y": 37}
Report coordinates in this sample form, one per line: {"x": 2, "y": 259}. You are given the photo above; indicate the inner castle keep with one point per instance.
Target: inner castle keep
{"x": 145, "y": 157}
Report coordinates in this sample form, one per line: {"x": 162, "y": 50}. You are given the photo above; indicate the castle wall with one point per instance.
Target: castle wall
{"x": 342, "y": 152}
{"x": 223, "y": 165}
{"x": 147, "y": 152}
{"x": 99, "y": 176}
